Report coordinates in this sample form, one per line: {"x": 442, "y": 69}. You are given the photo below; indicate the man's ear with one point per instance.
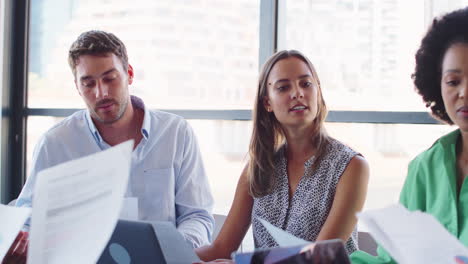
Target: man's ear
{"x": 76, "y": 86}
{"x": 130, "y": 74}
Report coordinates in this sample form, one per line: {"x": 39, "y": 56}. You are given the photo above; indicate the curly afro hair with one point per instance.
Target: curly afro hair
{"x": 444, "y": 32}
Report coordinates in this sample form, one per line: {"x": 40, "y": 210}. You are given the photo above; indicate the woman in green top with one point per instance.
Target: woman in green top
{"x": 436, "y": 178}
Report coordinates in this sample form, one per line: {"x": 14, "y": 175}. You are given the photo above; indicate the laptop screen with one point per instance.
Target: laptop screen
{"x": 143, "y": 242}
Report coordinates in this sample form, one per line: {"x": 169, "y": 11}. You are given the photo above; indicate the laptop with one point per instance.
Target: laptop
{"x": 147, "y": 242}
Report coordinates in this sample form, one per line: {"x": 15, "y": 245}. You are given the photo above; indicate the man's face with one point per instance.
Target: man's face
{"x": 103, "y": 83}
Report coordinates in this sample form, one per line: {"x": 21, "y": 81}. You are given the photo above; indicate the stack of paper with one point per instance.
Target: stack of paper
{"x": 412, "y": 237}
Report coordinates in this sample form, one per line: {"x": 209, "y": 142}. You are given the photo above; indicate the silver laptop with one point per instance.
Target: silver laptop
{"x": 147, "y": 242}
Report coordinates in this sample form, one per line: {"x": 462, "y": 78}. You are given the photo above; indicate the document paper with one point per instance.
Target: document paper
{"x": 13, "y": 219}
{"x": 129, "y": 209}
{"x": 76, "y": 206}
{"x": 283, "y": 238}
{"x": 412, "y": 237}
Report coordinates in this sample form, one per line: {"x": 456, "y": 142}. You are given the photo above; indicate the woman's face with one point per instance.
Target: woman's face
{"x": 454, "y": 84}
{"x": 292, "y": 93}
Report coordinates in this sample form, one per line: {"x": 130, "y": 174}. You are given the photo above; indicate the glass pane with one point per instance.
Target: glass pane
{"x": 37, "y": 126}
{"x": 186, "y": 54}
{"x": 363, "y": 49}
{"x": 2, "y": 34}
{"x": 388, "y": 150}
{"x": 224, "y": 147}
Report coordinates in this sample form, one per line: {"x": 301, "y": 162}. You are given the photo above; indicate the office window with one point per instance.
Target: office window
{"x": 363, "y": 51}
{"x": 200, "y": 54}
{"x": 2, "y": 39}
{"x": 186, "y": 54}
{"x": 203, "y": 54}
{"x": 388, "y": 150}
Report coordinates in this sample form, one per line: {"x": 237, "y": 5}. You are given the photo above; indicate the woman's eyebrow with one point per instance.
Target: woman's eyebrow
{"x": 452, "y": 71}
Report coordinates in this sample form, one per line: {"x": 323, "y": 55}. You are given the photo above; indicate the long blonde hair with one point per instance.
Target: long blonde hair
{"x": 268, "y": 136}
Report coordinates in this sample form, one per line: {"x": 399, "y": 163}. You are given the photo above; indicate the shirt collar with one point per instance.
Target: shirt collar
{"x": 146, "y": 126}
{"x": 450, "y": 139}
{"x": 136, "y": 102}
{"x": 92, "y": 127}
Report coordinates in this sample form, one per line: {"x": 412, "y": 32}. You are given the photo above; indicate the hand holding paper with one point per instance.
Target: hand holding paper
{"x": 13, "y": 219}
{"x": 412, "y": 237}
{"x": 284, "y": 239}
{"x": 295, "y": 250}
{"x": 76, "y": 206}
{"x": 19, "y": 249}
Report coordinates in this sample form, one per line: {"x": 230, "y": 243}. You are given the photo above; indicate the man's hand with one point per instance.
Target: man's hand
{"x": 18, "y": 250}
{"x": 218, "y": 261}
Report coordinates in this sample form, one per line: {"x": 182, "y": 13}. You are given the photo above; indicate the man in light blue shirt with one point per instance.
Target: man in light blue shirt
{"x": 167, "y": 174}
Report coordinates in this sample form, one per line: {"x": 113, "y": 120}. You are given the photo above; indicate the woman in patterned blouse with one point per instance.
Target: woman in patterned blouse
{"x": 298, "y": 178}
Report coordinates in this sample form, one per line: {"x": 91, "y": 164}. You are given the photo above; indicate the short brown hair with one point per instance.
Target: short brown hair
{"x": 98, "y": 43}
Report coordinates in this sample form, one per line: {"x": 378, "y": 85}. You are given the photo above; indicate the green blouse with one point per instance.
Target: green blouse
{"x": 431, "y": 187}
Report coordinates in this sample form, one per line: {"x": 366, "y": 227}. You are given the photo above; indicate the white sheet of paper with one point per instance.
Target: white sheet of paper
{"x": 12, "y": 219}
{"x": 76, "y": 206}
{"x": 283, "y": 238}
{"x": 412, "y": 237}
{"x": 129, "y": 209}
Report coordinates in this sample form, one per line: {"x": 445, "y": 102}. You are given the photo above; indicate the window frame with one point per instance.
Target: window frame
{"x": 14, "y": 95}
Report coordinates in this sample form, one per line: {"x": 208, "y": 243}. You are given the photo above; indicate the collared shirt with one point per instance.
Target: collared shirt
{"x": 431, "y": 187}
{"x": 167, "y": 174}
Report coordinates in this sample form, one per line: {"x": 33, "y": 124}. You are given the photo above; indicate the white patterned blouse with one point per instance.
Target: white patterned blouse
{"x": 310, "y": 205}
